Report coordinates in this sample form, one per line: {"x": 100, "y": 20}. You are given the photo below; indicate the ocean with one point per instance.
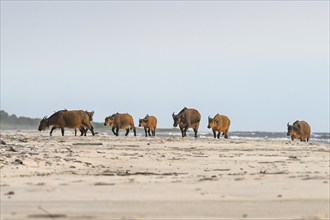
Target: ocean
{"x": 322, "y": 137}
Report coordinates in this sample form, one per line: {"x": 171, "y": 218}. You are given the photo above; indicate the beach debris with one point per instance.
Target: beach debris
{"x": 17, "y": 162}
{"x": 24, "y": 140}
{"x": 9, "y": 193}
{"x": 103, "y": 184}
{"x": 293, "y": 157}
{"x": 212, "y": 178}
{"x": 127, "y": 173}
{"x": 2, "y": 142}
{"x": 273, "y": 173}
{"x": 12, "y": 149}
{"x": 46, "y": 215}
{"x": 94, "y": 144}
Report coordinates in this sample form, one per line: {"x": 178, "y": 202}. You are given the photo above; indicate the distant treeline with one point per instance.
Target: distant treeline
{"x": 13, "y": 121}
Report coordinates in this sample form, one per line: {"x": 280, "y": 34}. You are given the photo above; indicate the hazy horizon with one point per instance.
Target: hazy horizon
{"x": 261, "y": 63}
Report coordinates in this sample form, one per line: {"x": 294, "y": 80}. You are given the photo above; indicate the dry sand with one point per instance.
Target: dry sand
{"x": 107, "y": 177}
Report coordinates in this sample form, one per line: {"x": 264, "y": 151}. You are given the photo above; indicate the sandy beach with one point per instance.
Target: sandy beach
{"x": 108, "y": 177}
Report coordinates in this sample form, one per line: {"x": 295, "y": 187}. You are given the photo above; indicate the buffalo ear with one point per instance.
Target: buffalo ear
{"x": 173, "y": 115}
{"x": 288, "y": 124}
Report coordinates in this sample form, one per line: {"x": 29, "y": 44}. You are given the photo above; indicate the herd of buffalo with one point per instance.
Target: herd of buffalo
{"x": 186, "y": 118}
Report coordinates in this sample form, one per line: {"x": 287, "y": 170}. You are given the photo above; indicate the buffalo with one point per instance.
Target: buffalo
{"x": 83, "y": 131}
{"x": 120, "y": 121}
{"x": 149, "y": 123}
{"x": 219, "y": 123}
{"x": 187, "y": 118}
{"x": 66, "y": 119}
{"x": 299, "y": 130}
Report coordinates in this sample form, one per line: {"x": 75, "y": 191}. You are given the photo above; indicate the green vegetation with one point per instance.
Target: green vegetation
{"x": 13, "y": 122}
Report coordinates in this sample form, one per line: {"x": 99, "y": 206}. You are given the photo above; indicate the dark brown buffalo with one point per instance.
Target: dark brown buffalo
{"x": 66, "y": 119}
{"x": 299, "y": 130}
{"x": 187, "y": 118}
{"x": 149, "y": 123}
{"x": 219, "y": 123}
{"x": 120, "y": 121}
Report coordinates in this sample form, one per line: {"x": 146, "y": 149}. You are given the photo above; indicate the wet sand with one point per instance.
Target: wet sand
{"x": 108, "y": 177}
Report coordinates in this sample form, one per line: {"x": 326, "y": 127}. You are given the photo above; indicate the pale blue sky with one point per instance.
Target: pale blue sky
{"x": 262, "y": 63}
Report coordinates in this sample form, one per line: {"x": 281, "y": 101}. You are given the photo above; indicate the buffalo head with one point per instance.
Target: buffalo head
{"x": 143, "y": 122}
{"x": 90, "y": 115}
{"x": 212, "y": 122}
{"x": 175, "y": 119}
{"x": 289, "y": 129}
{"x": 43, "y": 124}
{"x": 108, "y": 121}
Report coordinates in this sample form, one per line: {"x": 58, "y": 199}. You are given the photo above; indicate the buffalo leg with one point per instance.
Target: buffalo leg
{"x": 182, "y": 132}
{"x": 62, "y": 130}
{"x": 185, "y": 131}
{"x": 117, "y": 131}
{"x": 113, "y": 131}
{"x": 149, "y": 132}
{"x": 127, "y": 131}
{"x": 134, "y": 131}
{"x": 92, "y": 130}
{"x": 83, "y": 131}
{"x": 214, "y": 134}
{"x": 153, "y": 132}
{"x": 51, "y": 131}
{"x": 219, "y": 134}
{"x": 195, "y": 130}
{"x": 145, "y": 130}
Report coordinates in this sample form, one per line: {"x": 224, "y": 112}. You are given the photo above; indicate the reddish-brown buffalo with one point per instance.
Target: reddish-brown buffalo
{"x": 120, "y": 121}
{"x": 66, "y": 119}
{"x": 149, "y": 123}
{"x": 187, "y": 118}
{"x": 299, "y": 130}
{"x": 219, "y": 123}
